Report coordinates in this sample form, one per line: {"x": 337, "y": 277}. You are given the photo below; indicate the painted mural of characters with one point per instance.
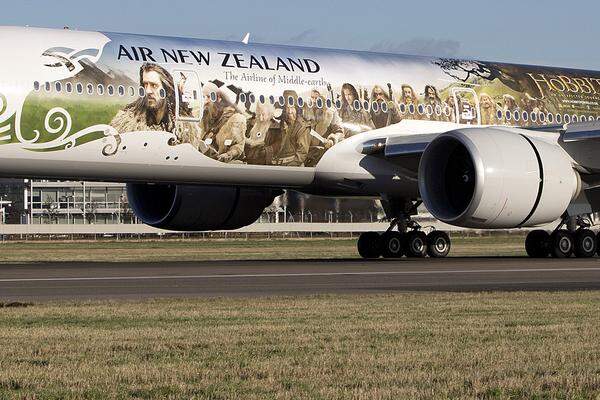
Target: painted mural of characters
{"x": 411, "y": 101}
{"x": 263, "y": 138}
{"x": 354, "y": 119}
{"x": 326, "y": 126}
{"x": 385, "y": 112}
{"x": 156, "y": 110}
{"x": 509, "y": 107}
{"x": 224, "y": 124}
{"x": 488, "y": 110}
{"x": 294, "y": 132}
{"x": 433, "y": 104}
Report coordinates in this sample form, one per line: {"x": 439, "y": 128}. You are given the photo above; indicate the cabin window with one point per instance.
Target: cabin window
{"x": 328, "y": 103}
{"x": 252, "y": 98}
{"x": 533, "y": 117}
{"x": 429, "y": 110}
{"x": 47, "y": 86}
{"x": 384, "y": 107}
{"x": 290, "y": 101}
{"x": 542, "y": 118}
{"x": 69, "y": 87}
{"x": 525, "y": 116}
{"x": 447, "y": 111}
{"x": 242, "y": 97}
{"x": 142, "y": 91}
{"x": 366, "y": 105}
{"x": 356, "y": 104}
{"x": 507, "y": 115}
{"x": 162, "y": 93}
{"x": 338, "y": 104}
{"x": 411, "y": 108}
{"x": 281, "y": 101}
{"x": 213, "y": 97}
{"x": 309, "y": 102}
{"x": 558, "y": 118}
{"x": 375, "y": 106}
{"x": 36, "y": 86}
{"x": 272, "y": 100}
{"x": 319, "y": 102}
{"x": 79, "y": 88}
{"x": 90, "y": 88}
{"x": 498, "y": 114}
{"x": 574, "y": 118}
{"x": 58, "y": 87}
{"x": 438, "y": 110}
{"x": 300, "y": 102}
{"x": 516, "y": 115}
{"x": 131, "y": 91}
{"x": 420, "y": 109}
{"x": 261, "y": 99}
{"x": 100, "y": 90}
{"x": 121, "y": 90}
{"x": 111, "y": 90}
{"x": 567, "y": 118}
{"x": 550, "y": 118}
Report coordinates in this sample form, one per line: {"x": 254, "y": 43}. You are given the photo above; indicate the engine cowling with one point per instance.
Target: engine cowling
{"x": 198, "y": 208}
{"x": 495, "y": 178}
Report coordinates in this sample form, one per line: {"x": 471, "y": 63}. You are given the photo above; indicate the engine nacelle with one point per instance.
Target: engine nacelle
{"x": 495, "y": 178}
{"x": 198, "y": 208}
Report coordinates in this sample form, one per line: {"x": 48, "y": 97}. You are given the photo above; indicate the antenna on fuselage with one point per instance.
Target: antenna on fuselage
{"x": 246, "y": 38}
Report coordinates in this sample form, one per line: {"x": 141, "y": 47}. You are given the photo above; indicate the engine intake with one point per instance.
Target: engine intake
{"x": 198, "y": 208}
{"x": 495, "y": 178}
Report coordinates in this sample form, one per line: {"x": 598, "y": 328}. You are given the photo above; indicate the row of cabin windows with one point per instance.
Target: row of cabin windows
{"x": 90, "y": 89}
{"x": 541, "y": 117}
{"x": 357, "y": 105}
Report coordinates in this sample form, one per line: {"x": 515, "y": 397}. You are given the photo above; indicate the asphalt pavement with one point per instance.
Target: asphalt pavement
{"x": 91, "y": 280}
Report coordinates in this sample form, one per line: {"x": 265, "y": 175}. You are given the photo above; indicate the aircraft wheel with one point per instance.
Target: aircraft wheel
{"x": 392, "y": 244}
{"x": 585, "y": 243}
{"x": 561, "y": 244}
{"x": 416, "y": 244}
{"x": 438, "y": 244}
{"x": 537, "y": 244}
{"x": 369, "y": 245}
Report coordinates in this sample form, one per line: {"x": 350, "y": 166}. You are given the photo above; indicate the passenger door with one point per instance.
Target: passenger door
{"x": 466, "y": 106}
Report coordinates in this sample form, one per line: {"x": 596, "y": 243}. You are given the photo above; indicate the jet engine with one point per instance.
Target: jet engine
{"x": 495, "y": 178}
{"x": 198, "y": 208}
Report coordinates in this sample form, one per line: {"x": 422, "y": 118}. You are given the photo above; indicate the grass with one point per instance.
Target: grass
{"x": 227, "y": 249}
{"x": 534, "y": 345}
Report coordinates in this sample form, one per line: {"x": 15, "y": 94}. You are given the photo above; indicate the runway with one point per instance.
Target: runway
{"x": 54, "y": 281}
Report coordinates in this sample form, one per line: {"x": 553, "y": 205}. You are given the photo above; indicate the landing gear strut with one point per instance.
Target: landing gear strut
{"x": 576, "y": 238}
{"x": 404, "y": 237}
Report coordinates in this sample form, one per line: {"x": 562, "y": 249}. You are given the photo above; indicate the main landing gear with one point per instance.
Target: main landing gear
{"x": 404, "y": 237}
{"x": 577, "y": 239}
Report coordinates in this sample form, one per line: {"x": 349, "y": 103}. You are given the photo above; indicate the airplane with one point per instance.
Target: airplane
{"x": 207, "y": 133}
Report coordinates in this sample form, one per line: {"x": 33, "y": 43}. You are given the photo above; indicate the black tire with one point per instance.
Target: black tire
{"x": 561, "y": 244}
{"x": 438, "y": 244}
{"x": 585, "y": 243}
{"x": 369, "y": 245}
{"x": 392, "y": 245}
{"x": 537, "y": 244}
{"x": 415, "y": 244}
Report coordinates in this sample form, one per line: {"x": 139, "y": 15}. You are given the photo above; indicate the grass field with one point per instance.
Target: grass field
{"x": 400, "y": 346}
{"x": 227, "y": 249}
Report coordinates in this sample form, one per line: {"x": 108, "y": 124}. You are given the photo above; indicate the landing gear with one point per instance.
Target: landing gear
{"x": 438, "y": 244}
{"x": 404, "y": 237}
{"x": 369, "y": 245}
{"x": 578, "y": 239}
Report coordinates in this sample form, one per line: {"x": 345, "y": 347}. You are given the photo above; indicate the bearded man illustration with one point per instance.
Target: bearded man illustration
{"x": 156, "y": 110}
